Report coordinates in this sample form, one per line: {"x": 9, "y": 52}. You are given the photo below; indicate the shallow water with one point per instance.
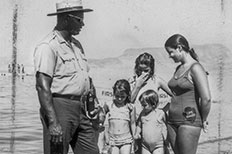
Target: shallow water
{"x": 21, "y": 130}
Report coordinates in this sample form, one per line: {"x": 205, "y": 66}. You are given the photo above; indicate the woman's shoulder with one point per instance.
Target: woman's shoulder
{"x": 196, "y": 68}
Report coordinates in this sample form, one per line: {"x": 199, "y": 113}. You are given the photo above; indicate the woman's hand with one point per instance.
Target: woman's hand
{"x": 205, "y": 126}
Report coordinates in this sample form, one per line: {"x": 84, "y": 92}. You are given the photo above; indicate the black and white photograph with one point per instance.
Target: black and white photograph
{"x": 115, "y": 76}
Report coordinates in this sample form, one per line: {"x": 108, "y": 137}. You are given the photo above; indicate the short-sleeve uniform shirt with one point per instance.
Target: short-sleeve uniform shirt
{"x": 65, "y": 63}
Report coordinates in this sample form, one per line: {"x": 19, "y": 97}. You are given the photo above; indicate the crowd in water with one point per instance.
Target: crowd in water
{"x": 19, "y": 69}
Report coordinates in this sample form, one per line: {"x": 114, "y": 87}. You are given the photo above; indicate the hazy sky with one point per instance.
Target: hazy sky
{"x": 116, "y": 25}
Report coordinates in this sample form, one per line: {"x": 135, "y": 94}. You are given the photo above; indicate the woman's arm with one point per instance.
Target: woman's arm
{"x": 200, "y": 81}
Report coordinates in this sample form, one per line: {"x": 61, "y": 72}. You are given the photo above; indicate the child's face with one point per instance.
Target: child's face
{"x": 120, "y": 97}
{"x": 146, "y": 106}
{"x": 142, "y": 68}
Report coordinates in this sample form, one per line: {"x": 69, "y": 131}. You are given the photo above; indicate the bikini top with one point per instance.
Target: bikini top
{"x": 119, "y": 113}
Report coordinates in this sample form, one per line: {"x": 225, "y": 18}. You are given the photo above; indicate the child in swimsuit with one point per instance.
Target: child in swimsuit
{"x": 121, "y": 119}
{"x": 151, "y": 127}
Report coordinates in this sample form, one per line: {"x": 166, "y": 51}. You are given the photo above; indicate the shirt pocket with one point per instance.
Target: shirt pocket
{"x": 66, "y": 64}
{"x": 84, "y": 62}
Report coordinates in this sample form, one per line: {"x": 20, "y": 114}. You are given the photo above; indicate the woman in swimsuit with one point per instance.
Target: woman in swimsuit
{"x": 191, "y": 102}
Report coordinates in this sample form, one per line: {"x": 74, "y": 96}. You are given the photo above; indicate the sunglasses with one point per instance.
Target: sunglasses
{"x": 77, "y": 18}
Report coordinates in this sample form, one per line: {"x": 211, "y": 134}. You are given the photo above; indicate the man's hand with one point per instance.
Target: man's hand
{"x": 56, "y": 133}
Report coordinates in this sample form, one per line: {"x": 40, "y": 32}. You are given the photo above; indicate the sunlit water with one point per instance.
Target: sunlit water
{"x": 21, "y": 130}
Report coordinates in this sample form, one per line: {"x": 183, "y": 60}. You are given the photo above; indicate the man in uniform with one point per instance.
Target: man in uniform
{"x": 61, "y": 81}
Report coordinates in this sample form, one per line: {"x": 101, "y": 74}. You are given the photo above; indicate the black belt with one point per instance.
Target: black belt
{"x": 72, "y": 97}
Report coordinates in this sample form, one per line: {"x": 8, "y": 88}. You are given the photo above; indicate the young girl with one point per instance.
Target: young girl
{"x": 145, "y": 78}
{"x": 121, "y": 119}
{"x": 151, "y": 124}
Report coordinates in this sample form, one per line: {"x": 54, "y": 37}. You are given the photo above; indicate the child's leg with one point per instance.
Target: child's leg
{"x": 115, "y": 150}
{"x": 158, "y": 151}
{"x": 125, "y": 149}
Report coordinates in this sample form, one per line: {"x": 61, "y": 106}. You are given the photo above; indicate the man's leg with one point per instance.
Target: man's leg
{"x": 67, "y": 112}
{"x": 84, "y": 140}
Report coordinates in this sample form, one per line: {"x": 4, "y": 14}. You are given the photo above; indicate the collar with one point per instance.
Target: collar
{"x": 60, "y": 37}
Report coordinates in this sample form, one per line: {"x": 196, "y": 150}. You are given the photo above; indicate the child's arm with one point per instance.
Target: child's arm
{"x": 133, "y": 120}
{"x": 106, "y": 131}
{"x": 103, "y": 119}
{"x": 161, "y": 116}
{"x": 138, "y": 131}
{"x": 102, "y": 113}
{"x": 164, "y": 86}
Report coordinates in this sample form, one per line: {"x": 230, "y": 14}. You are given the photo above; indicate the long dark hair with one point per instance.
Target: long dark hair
{"x": 178, "y": 39}
{"x": 123, "y": 85}
{"x": 146, "y": 59}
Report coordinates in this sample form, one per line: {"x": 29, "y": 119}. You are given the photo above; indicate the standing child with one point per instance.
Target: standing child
{"x": 121, "y": 119}
{"x": 151, "y": 124}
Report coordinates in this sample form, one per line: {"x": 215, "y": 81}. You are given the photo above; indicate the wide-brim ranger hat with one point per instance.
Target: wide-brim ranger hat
{"x": 69, "y": 6}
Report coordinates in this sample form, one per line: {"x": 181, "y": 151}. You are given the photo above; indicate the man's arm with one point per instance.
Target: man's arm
{"x": 43, "y": 85}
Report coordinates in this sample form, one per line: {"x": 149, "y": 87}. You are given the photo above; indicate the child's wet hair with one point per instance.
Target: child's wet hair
{"x": 146, "y": 59}
{"x": 150, "y": 97}
{"x": 123, "y": 85}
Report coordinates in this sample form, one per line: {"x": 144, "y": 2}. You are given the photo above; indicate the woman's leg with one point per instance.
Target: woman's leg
{"x": 187, "y": 138}
{"x": 172, "y": 134}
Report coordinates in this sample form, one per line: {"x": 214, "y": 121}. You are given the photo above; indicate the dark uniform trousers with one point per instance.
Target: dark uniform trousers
{"x": 78, "y": 131}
